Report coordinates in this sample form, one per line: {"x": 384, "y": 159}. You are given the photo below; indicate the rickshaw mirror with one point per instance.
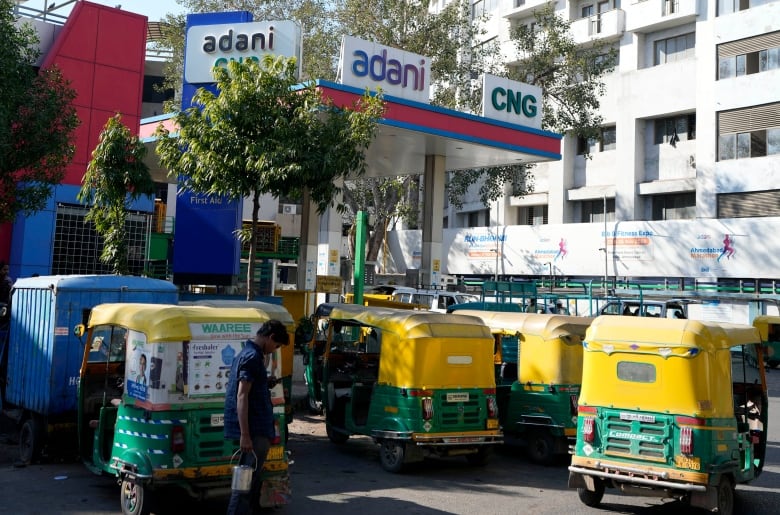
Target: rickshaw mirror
{"x": 79, "y": 330}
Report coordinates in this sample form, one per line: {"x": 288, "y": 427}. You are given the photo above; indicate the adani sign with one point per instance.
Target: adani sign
{"x": 370, "y": 65}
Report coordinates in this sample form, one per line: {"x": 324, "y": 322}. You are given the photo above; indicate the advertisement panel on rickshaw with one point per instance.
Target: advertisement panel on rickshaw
{"x": 152, "y": 395}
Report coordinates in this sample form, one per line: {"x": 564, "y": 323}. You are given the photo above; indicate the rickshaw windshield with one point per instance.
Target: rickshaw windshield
{"x": 108, "y": 344}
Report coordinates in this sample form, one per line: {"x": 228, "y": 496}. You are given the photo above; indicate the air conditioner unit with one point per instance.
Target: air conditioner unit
{"x": 289, "y": 209}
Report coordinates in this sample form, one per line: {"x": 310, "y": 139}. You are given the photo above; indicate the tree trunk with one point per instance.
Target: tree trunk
{"x": 250, "y": 268}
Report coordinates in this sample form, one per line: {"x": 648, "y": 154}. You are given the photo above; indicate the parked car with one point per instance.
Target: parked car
{"x": 434, "y": 300}
{"x": 673, "y": 308}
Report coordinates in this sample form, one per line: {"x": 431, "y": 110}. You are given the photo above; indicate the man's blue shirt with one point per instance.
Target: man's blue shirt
{"x": 249, "y": 365}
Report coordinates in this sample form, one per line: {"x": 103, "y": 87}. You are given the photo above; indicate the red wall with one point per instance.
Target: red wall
{"x": 101, "y": 50}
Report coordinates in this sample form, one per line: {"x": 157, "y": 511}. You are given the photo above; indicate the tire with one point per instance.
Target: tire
{"x": 135, "y": 498}
{"x": 315, "y": 406}
{"x": 392, "y": 455}
{"x": 334, "y": 436}
{"x": 773, "y": 363}
{"x": 725, "y": 496}
{"x": 541, "y": 447}
{"x": 481, "y": 457}
{"x": 592, "y": 498}
{"x": 30, "y": 441}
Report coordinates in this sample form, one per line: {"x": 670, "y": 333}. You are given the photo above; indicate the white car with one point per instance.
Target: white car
{"x": 434, "y": 300}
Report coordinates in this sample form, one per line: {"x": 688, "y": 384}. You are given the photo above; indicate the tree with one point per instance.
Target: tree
{"x": 572, "y": 81}
{"x": 37, "y": 122}
{"x": 116, "y": 176}
{"x": 266, "y": 134}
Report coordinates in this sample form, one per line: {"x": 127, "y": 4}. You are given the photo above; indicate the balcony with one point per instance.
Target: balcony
{"x": 604, "y": 27}
{"x": 522, "y": 8}
{"x": 654, "y": 15}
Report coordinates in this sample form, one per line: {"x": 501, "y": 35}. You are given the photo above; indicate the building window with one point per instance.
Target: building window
{"x": 753, "y": 204}
{"x": 533, "y": 215}
{"x": 675, "y": 129}
{"x": 445, "y": 223}
{"x": 478, "y": 218}
{"x": 153, "y": 92}
{"x": 593, "y": 210}
{"x": 750, "y": 132}
{"x": 748, "y": 56}
{"x": 606, "y": 141}
{"x": 733, "y": 6}
{"x": 77, "y": 246}
{"x": 676, "y": 206}
{"x": 674, "y": 49}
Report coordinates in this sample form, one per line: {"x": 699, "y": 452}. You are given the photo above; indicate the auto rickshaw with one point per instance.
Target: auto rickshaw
{"x": 151, "y": 400}
{"x": 769, "y": 327}
{"x": 538, "y": 401}
{"x": 670, "y": 408}
{"x": 419, "y": 383}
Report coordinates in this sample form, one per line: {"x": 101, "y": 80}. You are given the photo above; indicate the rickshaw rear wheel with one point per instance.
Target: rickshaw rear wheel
{"x": 592, "y": 498}
{"x": 392, "y": 455}
{"x": 481, "y": 457}
{"x": 541, "y": 447}
{"x": 725, "y": 496}
{"x": 30, "y": 440}
{"x": 773, "y": 363}
{"x": 334, "y": 436}
{"x": 135, "y": 498}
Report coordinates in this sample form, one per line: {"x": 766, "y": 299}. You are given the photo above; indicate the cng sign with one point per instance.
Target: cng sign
{"x": 511, "y": 101}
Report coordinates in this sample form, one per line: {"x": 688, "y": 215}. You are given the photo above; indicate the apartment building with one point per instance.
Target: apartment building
{"x": 688, "y": 167}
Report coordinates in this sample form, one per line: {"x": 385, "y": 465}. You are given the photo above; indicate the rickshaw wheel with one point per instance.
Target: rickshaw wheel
{"x": 135, "y": 498}
{"x": 336, "y": 436}
{"x": 592, "y": 498}
{"x": 541, "y": 447}
{"x": 481, "y": 457}
{"x": 725, "y": 496}
{"x": 773, "y": 363}
{"x": 315, "y": 406}
{"x": 392, "y": 455}
{"x": 30, "y": 440}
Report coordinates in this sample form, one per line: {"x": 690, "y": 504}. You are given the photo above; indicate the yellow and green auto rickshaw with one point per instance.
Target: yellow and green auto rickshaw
{"x": 539, "y": 405}
{"x": 419, "y": 383}
{"x": 152, "y": 396}
{"x": 670, "y": 408}
{"x": 769, "y": 327}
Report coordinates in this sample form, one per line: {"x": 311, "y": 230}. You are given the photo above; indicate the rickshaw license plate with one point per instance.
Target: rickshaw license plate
{"x": 687, "y": 462}
{"x": 275, "y": 453}
{"x": 218, "y": 420}
{"x": 458, "y": 397}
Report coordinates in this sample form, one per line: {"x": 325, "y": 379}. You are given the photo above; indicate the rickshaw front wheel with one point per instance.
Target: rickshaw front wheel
{"x": 541, "y": 447}
{"x": 135, "y": 498}
{"x": 725, "y": 496}
{"x": 592, "y": 498}
{"x": 336, "y": 436}
{"x": 392, "y": 454}
{"x": 30, "y": 440}
{"x": 315, "y": 406}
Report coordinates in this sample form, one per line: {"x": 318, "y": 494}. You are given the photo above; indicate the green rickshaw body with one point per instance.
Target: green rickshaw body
{"x": 769, "y": 327}
{"x": 540, "y": 406}
{"x": 672, "y": 408}
{"x": 419, "y": 383}
{"x": 152, "y": 396}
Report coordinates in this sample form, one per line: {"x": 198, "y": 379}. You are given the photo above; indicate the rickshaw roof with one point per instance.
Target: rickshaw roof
{"x": 276, "y": 311}
{"x": 165, "y": 322}
{"x": 766, "y": 319}
{"x": 410, "y": 324}
{"x": 548, "y": 326}
{"x": 632, "y": 333}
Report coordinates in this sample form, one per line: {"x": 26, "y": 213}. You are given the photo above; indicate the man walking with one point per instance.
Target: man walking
{"x": 249, "y": 418}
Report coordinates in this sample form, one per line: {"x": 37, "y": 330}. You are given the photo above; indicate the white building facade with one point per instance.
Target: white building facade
{"x": 688, "y": 167}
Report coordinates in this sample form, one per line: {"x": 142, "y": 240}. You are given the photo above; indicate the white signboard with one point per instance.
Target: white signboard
{"x": 397, "y": 72}
{"x": 214, "y": 45}
{"x": 511, "y": 101}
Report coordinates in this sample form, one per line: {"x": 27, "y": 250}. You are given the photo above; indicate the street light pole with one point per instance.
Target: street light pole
{"x": 606, "y": 256}
{"x": 497, "y": 248}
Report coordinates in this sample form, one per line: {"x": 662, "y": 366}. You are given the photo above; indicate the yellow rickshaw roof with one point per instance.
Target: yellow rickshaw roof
{"x": 164, "y": 322}
{"x": 411, "y": 324}
{"x": 628, "y": 333}
{"x": 548, "y": 326}
{"x": 766, "y": 319}
{"x": 275, "y": 311}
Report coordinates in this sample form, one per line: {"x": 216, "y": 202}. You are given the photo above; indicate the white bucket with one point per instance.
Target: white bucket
{"x": 242, "y": 475}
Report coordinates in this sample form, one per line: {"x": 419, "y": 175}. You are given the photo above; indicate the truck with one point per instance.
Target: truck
{"x": 40, "y": 358}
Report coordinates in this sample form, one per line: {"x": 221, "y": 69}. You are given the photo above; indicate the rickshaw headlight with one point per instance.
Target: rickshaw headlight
{"x": 177, "y": 439}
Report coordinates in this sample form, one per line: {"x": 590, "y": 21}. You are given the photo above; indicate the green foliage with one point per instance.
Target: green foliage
{"x": 266, "y": 134}
{"x": 37, "y": 122}
{"x": 116, "y": 176}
